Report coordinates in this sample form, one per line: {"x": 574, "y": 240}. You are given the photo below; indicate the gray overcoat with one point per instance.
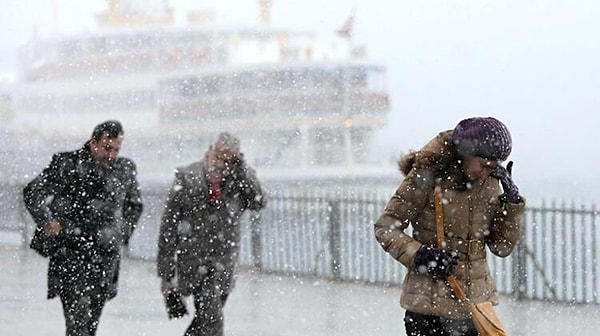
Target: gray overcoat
{"x": 196, "y": 235}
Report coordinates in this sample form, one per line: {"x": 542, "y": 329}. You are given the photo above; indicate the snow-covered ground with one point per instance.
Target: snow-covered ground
{"x": 261, "y": 305}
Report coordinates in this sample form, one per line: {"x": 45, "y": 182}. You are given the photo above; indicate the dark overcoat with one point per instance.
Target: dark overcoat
{"x": 196, "y": 234}
{"x": 98, "y": 208}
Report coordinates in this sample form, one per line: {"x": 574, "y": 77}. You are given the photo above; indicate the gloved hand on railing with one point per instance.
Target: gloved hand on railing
{"x": 511, "y": 191}
{"x": 436, "y": 262}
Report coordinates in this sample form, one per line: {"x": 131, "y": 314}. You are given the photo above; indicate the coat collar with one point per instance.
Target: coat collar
{"x": 437, "y": 159}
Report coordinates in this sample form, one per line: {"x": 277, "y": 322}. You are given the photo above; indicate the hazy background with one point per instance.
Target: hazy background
{"x": 532, "y": 64}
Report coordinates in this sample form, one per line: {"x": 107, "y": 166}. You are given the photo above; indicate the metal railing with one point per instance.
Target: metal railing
{"x": 560, "y": 246}
{"x": 330, "y": 235}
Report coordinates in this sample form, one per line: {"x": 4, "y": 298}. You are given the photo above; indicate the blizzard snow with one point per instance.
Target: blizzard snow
{"x": 261, "y": 305}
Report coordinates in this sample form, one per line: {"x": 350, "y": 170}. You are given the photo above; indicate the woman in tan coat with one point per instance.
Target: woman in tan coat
{"x": 466, "y": 163}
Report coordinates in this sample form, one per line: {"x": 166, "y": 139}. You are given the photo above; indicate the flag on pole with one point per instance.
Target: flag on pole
{"x": 345, "y": 30}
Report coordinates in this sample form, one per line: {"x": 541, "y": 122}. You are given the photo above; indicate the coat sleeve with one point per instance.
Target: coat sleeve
{"x": 167, "y": 238}
{"x": 37, "y": 192}
{"x": 406, "y": 204}
{"x": 251, "y": 190}
{"x": 505, "y": 230}
{"x": 133, "y": 206}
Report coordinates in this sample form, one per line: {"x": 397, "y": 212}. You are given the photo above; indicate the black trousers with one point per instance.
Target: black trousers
{"x": 429, "y": 325}
{"x": 82, "y": 312}
{"x": 209, "y": 301}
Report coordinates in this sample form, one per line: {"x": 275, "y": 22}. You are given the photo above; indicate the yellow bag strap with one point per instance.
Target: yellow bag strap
{"x": 439, "y": 216}
{"x": 441, "y": 240}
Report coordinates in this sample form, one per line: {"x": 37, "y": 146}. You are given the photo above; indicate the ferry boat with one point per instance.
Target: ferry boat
{"x": 296, "y": 103}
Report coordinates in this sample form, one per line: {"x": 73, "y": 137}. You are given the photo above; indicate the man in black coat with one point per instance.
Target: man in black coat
{"x": 199, "y": 239}
{"x": 86, "y": 204}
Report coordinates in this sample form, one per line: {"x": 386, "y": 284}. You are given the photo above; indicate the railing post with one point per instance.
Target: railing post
{"x": 519, "y": 268}
{"x": 255, "y": 239}
{"x": 25, "y": 223}
{"x": 335, "y": 238}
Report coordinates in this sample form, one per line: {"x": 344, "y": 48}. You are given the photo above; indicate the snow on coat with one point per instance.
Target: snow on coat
{"x": 195, "y": 234}
{"x": 473, "y": 219}
{"x": 98, "y": 209}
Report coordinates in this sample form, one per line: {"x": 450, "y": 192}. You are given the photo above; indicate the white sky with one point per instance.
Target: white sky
{"x": 533, "y": 64}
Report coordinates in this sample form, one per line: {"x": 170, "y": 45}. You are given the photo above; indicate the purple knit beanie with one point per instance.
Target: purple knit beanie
{"x": 484, "y": 137}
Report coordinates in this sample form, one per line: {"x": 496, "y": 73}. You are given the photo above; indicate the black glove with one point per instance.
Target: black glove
{"x": 238, "y": 169}
{"x": 175, "y": 306}
{"x": 109, "y": 240}
{"x": 45, "y": 244}
{"x": 435, "y": 261}
{"x": 511, "y": 191}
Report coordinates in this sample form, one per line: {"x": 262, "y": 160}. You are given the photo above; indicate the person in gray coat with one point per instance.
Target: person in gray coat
{"x": 86, "y": 204}
{"x": 199, "y": 237}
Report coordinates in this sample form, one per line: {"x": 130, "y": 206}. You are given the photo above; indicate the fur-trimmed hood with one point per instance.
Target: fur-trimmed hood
{"x": 437, "y": 159}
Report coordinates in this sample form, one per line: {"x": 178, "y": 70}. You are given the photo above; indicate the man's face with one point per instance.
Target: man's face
{"x": 219, "y": 161}
{"x": 106, "y": 150}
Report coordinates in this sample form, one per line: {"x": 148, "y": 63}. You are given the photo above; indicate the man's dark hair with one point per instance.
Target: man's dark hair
{"x": 111, "y": 127}
{"x": 229, "y": 141}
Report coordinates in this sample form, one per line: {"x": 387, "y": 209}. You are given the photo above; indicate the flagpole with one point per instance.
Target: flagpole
{"x": 346, "y": 32}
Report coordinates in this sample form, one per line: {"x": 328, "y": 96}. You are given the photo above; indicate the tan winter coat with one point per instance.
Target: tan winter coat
{"x": 473, "y": 218}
